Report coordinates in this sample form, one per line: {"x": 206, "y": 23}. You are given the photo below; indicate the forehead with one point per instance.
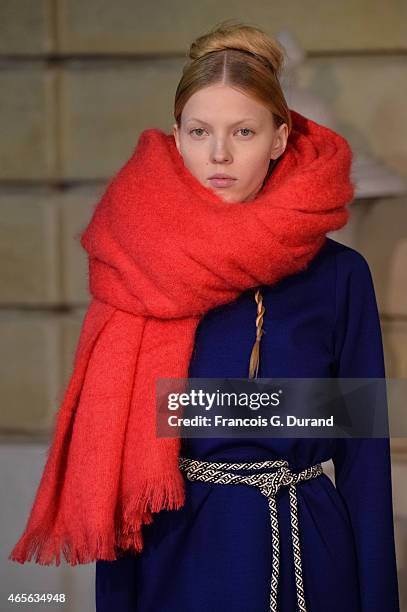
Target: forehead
{"x": 231, "y": 122}
{"x": 220, "y": 104}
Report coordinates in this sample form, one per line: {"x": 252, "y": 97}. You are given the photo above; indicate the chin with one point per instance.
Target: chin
{"x": 228, "y": 197}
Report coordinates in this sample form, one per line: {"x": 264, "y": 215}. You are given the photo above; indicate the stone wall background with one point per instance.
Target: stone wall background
{"x": 78, "y": 82}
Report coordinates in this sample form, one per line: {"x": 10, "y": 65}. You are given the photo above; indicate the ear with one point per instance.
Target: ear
{"x": 279, "y": 141}
{"x": 175, "y": 131}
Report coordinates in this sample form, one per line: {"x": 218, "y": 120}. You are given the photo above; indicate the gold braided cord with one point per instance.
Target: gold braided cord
{"x": 255, "y": 354}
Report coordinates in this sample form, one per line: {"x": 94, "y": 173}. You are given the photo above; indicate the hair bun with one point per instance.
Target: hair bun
{"x": 239, "y": 36}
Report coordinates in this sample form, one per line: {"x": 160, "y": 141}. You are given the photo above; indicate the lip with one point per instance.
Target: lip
{"x": 222, "y": 181}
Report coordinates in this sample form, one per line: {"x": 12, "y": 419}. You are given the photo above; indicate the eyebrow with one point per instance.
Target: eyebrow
{"x": 232, "y": 124}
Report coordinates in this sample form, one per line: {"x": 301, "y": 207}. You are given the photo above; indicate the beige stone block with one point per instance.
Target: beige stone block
{"x": 27, "y": 122}
{"x": 37, "y": 353}
{"x": 395, "y": 347}
{"x": 30, "y": 264}
{"x": 381, "y": 236}
{"x": 400, "y": 532}
{"x": 77, "y": 205}
{"x": 70, "y": 329}
{"x": 367, "y": 96}
{"x": 349, "y": 233}
{"x": 168, "y": 27}
{"x": 394, "y": 334}
{"x": 105, "y": 106}
{"x": 30, "y": 373}
{"x": 26, "y": 27}
{"x": 399, "y": 470}
{"x": 399, "y": 452}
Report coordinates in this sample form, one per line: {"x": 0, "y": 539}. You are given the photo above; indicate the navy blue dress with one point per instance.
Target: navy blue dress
{"x": 215, "y": 552}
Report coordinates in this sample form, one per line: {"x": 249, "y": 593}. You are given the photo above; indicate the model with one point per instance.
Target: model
{"x": 209, "y": 258}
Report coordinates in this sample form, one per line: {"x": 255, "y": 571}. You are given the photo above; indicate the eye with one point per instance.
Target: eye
{"x": 246, "y": 130}
{"x": 197, "y": 130}
{"x": 201, "y": 130}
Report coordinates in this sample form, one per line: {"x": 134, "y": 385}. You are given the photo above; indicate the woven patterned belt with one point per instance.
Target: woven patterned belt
{"x": 269, "y": 484}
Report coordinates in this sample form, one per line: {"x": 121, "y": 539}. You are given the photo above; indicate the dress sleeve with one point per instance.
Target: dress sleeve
{"x": 363, "y": 465}
{"x": 116, "y": 584}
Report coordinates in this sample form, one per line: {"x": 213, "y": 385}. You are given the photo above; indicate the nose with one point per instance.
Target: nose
{"x": 220, "y": 152}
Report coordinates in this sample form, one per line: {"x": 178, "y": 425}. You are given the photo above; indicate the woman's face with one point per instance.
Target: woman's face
{"x": 224, "y": 131}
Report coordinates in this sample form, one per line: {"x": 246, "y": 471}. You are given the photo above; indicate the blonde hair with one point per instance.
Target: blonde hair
{"x": 247, "y": 58}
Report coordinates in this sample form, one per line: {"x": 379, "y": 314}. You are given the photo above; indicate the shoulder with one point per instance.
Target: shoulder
{"x": 347, "y": 260}
{"x": 330, "y": 276}
{"x": 354, "y": 286}
{"x": 339, "y": 264}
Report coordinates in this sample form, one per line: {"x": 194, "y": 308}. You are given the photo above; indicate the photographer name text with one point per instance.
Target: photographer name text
{"x": 288, "y": 420}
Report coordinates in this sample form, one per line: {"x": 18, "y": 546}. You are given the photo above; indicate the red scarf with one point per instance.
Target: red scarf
{"x": 164, "y": 250}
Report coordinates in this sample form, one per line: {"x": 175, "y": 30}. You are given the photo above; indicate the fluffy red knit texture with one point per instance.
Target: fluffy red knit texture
{"x": 163, "y": 250}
